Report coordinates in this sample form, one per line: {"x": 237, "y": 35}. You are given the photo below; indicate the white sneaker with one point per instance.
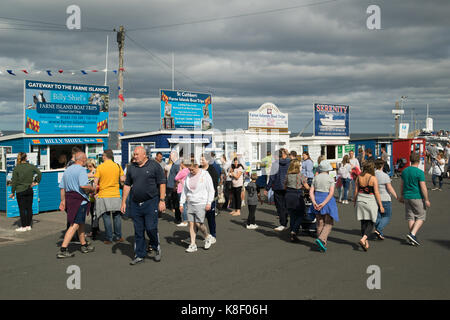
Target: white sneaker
{"x": 280, "y": 228}
{"x": 28, "y": 228}
{"x": 182, "y": 224}
{"x": 192, "y": 248}
{"x": 21, "y": 229}
{"x": 208, "y": 242}
{"x": 255, "y": 226}
{"x": 252, "y": 226}
{"x": 212, "y": 240}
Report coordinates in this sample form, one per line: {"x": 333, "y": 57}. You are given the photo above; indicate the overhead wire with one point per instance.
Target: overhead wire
{"x": 232, "y": 16}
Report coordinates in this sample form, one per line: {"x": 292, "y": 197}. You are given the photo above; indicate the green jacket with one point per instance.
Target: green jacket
{"x": 23, "y": 177}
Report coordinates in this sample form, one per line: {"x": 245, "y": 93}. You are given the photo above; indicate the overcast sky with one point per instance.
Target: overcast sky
{"x": 323, "y": 53}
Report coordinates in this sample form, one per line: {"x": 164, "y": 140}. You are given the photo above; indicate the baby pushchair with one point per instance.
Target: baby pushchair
{"x": 401, "y": 163}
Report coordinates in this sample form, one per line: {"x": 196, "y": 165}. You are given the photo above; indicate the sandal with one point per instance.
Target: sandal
{"x": 294, "y": 238}
{"x": 378, "y": 234}
{"x": 363, "y": 245}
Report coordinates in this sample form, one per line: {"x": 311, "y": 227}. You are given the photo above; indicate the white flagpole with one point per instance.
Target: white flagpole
{"x": 173, "y": 71}
{"x": 106, "y": 69}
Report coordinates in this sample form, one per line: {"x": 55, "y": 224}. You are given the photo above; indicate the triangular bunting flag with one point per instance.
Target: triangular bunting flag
{"x": 24, "y": 71}
{"x": 83, "y": 72}
{"x": 121, "y": 97}
{"x": 49, "y": 73}
{"x": 115, "y": 71}
{"x": 60, "y": 71}
{"x": 10, "y": 72}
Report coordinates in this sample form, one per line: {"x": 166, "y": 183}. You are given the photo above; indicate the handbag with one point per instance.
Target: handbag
{"x": 221, "y": 196}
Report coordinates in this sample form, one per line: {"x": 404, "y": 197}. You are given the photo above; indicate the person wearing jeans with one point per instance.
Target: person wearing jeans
{"x": 147, "y": 183}
{"x": 211, "y": 214}
{"x": 116, "y": 220}
{"x": 386, "y": 190}
{"x": 344, "y": 172}
{"x": 108, "y": 177}
{"x": 438, "y": 170}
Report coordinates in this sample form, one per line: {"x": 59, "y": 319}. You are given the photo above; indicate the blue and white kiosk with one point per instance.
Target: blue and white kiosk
{"x": 57, "y": 117}
{"x": 375, "y": 144}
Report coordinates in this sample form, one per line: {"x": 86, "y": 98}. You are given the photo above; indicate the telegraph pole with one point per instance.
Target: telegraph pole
{"x": 120, "y": 42}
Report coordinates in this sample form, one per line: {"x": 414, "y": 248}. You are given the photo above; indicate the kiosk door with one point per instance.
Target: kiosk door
{"x": 418, "y": 146}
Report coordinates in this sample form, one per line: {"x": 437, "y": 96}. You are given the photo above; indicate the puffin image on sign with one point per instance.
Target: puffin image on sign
{"x": 330, "y": 122}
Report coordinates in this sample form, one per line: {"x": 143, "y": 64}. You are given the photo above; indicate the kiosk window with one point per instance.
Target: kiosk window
{"x": 61, "y": 154}
{"x": 148, "y": 146}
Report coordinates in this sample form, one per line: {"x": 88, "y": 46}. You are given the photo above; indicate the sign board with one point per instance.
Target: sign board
{"x": 268, "y": 116}
{"x": 55, "y": 141}
{"x": 65, "y": 108}
{"x": 403, "y": 133}
{"x": 331, "y": 120}
{"x": 12, "y": 208}
{"x": 185, "y": 110}
{"x": 345, "y": 149}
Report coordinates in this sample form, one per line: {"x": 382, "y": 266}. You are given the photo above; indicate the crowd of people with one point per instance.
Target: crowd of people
{"x": 195, "y": 191}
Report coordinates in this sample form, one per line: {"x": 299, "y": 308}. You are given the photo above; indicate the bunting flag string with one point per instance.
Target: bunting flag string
{"x": 51, "y": 73}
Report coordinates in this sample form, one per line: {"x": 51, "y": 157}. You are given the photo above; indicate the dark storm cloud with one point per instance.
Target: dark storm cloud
{"x": 293, "y": 58}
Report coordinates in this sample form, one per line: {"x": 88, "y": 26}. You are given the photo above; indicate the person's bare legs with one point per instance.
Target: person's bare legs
{"x": 82, "y": 234}
{"x": 69, "y": 235}
{"x": 320, "y": 223}
{"x": 328, "y": 225}
{"x": 416, "y": 226}
{"x": 202, "y": 229}
{"x": 192, "y": 232}
{"x": 411, "y": 225}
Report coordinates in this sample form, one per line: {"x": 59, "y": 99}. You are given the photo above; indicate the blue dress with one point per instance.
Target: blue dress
{"x": 330, "y": 208}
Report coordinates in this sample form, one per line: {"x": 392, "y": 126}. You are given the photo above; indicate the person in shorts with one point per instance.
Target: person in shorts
{"x": 414, "y": 194}
{"x": 75, "y": 189}
{"x": 198, "y": 194}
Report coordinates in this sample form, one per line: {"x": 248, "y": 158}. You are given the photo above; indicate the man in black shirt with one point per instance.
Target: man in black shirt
{"x": 147, "y": 182}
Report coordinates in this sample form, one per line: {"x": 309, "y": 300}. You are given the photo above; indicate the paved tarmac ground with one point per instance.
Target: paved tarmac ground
{"x": 243, "y": 264}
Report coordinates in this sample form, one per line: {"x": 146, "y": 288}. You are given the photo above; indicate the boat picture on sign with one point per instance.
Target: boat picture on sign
{"x": 331, "y": 120}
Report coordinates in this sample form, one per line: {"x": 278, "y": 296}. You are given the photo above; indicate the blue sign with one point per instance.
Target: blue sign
{"x": 186, "y": 110}
{"x": 65, "y": 108}
{"x": 12, "y": 207}
{"x": 54, "y": 141}
{"x": 331, "y": 120}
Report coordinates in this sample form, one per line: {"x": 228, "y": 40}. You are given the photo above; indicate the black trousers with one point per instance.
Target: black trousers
{"x": 251, "y": 214}
{"x": 237, "y": 201}
{"x": 174, "y": 203}
{"x": 366, "y": 227}
{"x": 25, "y": 202}
{"x": 227, "y": 193}
{"x": 280, "y": 204}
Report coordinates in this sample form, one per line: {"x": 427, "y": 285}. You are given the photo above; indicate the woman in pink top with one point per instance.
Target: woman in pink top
{"x": 179, "y": 179}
